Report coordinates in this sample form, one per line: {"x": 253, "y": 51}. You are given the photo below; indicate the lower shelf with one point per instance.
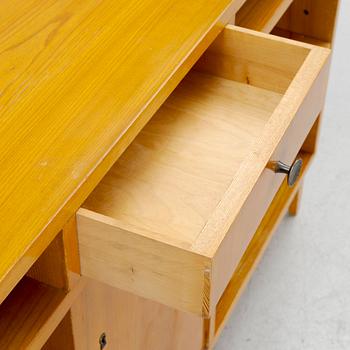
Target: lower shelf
{"x": 31, "y": 313}
{"x": 62, "y": 337}
{"x": 261, "y": 15}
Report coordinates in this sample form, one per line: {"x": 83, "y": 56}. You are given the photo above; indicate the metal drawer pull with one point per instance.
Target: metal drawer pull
{"x": 292, "y": 171}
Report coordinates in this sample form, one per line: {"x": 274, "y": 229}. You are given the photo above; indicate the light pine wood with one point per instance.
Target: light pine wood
{"x": 125, "y": 257}
{"x": 158, "y": 224}
{"x": 31, "y": 313}
{"x": 256, "y": 248}
{"x": 126, "y": 331}
{"x": 79, "y": 81}
{"x": 311, "y": 142}
{"x": 238, "y": 235}
{"x": 51, "y": 267}
{"x": 301, "y": 37}
{"x": 71, "y": 252}
{"x": 303, "y": 100}
{"x": 184, "y": 159}
{"x": 191, "y": 230}
{"x": 62, "y": 337}
{"x": 182, "y": 162}
{"x": 311, "y": 21}
{"x": 295, "y": 203}
{"x": 132, "y": 323}
{"x": 238, "y": 5}
{"x": 59, "y": 265}
{"x": 255, "y": 59}
{"x": 261, "y": 15}
{"x": 309, "y": 146}
{"x": 209, "y": 332}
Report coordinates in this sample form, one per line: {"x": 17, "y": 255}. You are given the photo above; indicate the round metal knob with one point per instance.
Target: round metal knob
{"x": 292, "y": 171}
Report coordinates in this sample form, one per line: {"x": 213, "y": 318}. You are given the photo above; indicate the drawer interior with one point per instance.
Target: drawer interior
{"x": 156, "y": 221}
{"x": 176, "y": 171}
{"x": 185, "y": 158}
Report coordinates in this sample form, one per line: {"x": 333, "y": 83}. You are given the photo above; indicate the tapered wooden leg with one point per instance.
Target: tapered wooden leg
{"x": 295, "y": 204}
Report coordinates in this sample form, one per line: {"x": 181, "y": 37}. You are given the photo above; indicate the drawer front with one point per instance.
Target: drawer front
{"x": 125, "y": 258}
{"x": 243, "y": 228}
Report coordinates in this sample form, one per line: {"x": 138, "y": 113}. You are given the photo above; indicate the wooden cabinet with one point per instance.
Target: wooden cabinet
{"x": 173, "y": 173}
{"x": 158, "y": 225}
{"x": 38, "y": 308}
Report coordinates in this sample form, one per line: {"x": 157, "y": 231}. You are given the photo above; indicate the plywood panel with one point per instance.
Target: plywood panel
{"x": 133, "y": 323}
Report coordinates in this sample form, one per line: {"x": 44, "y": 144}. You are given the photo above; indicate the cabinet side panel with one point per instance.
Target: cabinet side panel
{"x": 133, "y": 323}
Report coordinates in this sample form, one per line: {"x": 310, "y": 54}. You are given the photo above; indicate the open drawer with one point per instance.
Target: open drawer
{"x": 173, "y": 217}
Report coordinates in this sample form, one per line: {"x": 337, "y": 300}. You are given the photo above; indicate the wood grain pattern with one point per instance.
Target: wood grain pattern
{"x": 32, "y": 312}
{"x": 302, "y": 97}
{"x": 182, "y": 162}
{"x": 241, "y": 231}
{"x": 261, "y": 15}
{"x": 71, "y": 252}
{"x": 310, "y": 21}
{"x": 295, "y": 203}
{"x": 159, "y": 221}
{"x": 62, "y": 337}
{"x": 126, "y": 258}
{"x": 131, "y": 322}
{"x": 300, "y": 37}
{"x": 256, "y": 249}
{"x": 79, "y": 80}
{"x": 255, "y": 59}
{"x": 51, "y": 267}
{"x": 185, "y": 158}
{"x": 59, "y": 264}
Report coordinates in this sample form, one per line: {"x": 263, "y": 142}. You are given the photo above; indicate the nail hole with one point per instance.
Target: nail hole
{"x": 306, "y": 12}
{"x": 102, "y": 341}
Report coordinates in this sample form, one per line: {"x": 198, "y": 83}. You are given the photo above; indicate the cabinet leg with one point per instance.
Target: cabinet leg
{"x": 295, "y": 204}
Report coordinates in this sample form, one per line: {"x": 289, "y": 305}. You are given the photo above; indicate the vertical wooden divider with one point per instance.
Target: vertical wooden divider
{"x": 59, "y": 266}
{"x": 37, "y": 313}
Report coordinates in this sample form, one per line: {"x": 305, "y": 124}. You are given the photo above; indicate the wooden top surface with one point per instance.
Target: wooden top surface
{"x": 79, "y": 79}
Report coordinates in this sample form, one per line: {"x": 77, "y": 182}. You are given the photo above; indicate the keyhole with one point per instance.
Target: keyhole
{"x": 306, "y": 12}
{"x": 102, "y": 341}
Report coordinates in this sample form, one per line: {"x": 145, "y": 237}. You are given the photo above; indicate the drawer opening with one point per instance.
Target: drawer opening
{"x": 156, "y": 221}
{"x": 312, "y": 22}
{"x": 261, "y": 15}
